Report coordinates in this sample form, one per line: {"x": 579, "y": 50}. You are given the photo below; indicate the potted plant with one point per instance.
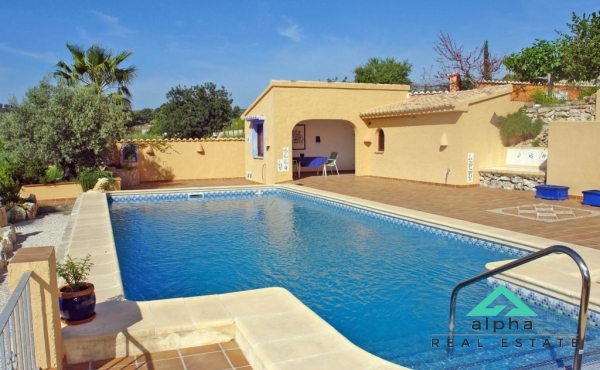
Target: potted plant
{"x": 76, "y": 300}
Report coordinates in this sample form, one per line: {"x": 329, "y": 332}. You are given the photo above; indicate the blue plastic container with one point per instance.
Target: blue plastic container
{"x": 552, "y": 192}
{"x": 591, "y": 197}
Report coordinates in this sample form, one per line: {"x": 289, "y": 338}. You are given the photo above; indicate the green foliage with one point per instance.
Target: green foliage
{"x": 141, "y": 117}
{"x": 135, "y": 133}
{"x": 544, "y": 98}
{"x": 74, "y": 272}
{"x": 69, "y": 127}
{"x": 97, "y": 66}
{"x": 581, "y": 58}
{"x": 90, "y": 176}
{"x": 383, "y": 71}
{"x": 486, "y": 72}
{"x": 235, "y": 129}
{"x": 535, "y": 143}
{"x": 193, "y": 112}
{"x": 588, "y": 91}
{"x": 9, "y": 185}
{"x": 539, "y": 60}
{"x": 574, "y": 56}
{"x": 335, "y": 79}
{"x": 518, "y": 124}
{"x": 53, "y": 174}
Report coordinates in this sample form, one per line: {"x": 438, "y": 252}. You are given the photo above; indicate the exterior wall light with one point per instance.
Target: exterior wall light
{"x": 444, "y": 140}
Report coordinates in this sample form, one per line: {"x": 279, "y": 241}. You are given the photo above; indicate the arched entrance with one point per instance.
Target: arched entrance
{"x": 319, "y": 138}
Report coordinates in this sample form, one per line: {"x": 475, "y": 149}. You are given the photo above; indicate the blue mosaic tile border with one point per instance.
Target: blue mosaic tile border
{"x": 516, "y": 252}
{"x": 550, "y": 303}
{"x": 177, "y": 197}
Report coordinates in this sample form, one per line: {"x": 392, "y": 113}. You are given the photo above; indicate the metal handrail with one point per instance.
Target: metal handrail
{"x": 583, "y": 304}
{"x": 16, "y": 329}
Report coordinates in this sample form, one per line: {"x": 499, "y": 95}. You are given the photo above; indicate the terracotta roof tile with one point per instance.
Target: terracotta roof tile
{"x": 432, "y": 103}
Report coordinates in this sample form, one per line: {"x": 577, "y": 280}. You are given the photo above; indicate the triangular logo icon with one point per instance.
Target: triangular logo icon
{"x": 482, "y": 308}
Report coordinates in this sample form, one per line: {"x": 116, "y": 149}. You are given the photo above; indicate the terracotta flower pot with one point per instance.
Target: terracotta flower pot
{"x": 77, "y": 307}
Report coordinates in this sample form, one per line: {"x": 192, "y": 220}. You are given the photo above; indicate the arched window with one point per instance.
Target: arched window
{"x": 129, "y": 153}
{"x": 380, "y": 141}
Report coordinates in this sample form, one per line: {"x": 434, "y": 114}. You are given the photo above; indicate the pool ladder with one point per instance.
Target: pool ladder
{"x": 583, "y": 304}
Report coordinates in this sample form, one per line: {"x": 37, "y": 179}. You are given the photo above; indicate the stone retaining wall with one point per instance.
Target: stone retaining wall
{"x": 563, "y": 113}
{"x": 500, "y": 181}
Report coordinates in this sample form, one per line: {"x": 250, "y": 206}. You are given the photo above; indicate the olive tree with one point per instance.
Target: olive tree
{"x": 383, "y": 71}
{"x": 70, "y": 127}
{"x": 193, "y": 112}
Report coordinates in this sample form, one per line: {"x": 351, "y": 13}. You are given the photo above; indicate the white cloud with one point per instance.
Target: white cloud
{"x": 114, "y": 27}
{"x": 46, "y": 57}
{"x": 293, "y": 31}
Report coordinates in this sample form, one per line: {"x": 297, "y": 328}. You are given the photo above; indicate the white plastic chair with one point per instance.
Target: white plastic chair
{"x": 331, "y": 163}
{"x": 295, "y": 163}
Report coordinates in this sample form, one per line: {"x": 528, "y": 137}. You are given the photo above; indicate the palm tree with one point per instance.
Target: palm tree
{"x": 98, "y": 67}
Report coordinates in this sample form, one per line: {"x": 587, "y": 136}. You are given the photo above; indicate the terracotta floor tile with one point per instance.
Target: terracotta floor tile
{"x": 79, "y": 366}
{"x": 207, "y": 361}
{"x": 199, "y": 350}
{"x": 155, "y": 356}
{"x": 236, "y": 357}
{"x": 170, "y": 364}
{"x": 116, "y": 363}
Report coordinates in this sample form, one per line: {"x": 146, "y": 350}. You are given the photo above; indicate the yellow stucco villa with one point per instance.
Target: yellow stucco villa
{"x": 377, "y": 130}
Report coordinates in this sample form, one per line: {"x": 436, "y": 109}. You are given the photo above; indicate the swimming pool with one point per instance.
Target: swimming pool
{"x": 382, "y": 282}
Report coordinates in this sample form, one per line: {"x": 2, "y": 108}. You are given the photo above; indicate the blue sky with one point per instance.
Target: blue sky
{"x": 244, "y": 45}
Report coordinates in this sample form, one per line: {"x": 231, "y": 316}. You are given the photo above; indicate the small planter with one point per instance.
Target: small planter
{"x": 552, "y": 192}
{"x": 591, "y": 197}
{"x": 77, "y": 307}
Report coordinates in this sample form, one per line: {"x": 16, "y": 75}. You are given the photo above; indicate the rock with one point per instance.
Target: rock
{"x": 7, "y": 246}
{"x": 508, "y": 185}
{"x": 504, "y": 178}
{"x": 3, "y": 219}
{"x": 519, "y": 186}
{"x": 516, "y": 179}
{"x": 543, "y": 110}
{"x": 16, "y": 214}
{"x": 31, "y": 210}
{"x": 32, "y": 199}
{"x": 495, "y": 184}
{"x": 9, "y": 232}
{"x": 101, "y": 186}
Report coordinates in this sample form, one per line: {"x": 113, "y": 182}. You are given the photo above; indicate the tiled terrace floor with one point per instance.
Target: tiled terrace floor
{"x": 224, "y": 356}
{"x": 468, "y": 204}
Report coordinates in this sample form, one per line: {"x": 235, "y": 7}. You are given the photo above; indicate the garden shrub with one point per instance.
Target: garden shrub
{"x": 544, "y": 99}
{"x": 518, "y": 124}
{"x": 89, "y": 177}
{"x": 587, "y": 92}
{"x": 9, "y": 185}
{"x": 53, "y": 174}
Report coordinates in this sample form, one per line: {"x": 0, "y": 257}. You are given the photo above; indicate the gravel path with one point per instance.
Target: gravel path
{"x": 47, "y": 229}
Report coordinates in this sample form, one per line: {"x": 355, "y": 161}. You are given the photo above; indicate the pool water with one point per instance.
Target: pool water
{"x": 385, "y": 286}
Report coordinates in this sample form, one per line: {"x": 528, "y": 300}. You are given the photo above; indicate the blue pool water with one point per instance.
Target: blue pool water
{"x": 385, "y": 286}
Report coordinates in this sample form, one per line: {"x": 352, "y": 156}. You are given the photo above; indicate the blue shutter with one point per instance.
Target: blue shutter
{"x": 254, "y": 144}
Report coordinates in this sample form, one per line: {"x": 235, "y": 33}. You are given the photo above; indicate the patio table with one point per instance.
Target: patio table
{"x": 312, "y": 162}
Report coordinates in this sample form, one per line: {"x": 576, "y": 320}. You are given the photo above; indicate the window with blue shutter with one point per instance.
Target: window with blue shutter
{"x": 258, "y": 141}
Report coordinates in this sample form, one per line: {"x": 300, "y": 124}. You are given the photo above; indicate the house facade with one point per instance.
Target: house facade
{"x": 377, "y": 130}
